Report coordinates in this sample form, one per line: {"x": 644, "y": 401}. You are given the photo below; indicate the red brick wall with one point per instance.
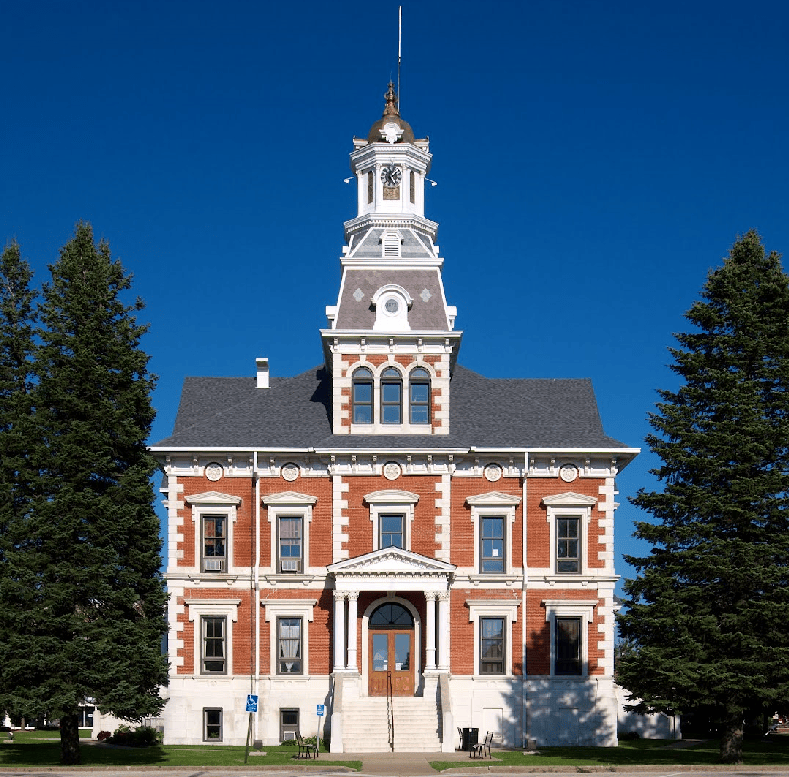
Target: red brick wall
{"x": 423, "y": 528}
{"x": 539, "y": 531}
{"x": 461, "y": 536}
{"x": 538, "y": 630}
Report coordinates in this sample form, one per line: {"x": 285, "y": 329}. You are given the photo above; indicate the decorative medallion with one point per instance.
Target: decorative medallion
{"x": 214, "y": 471}
{"x": 290, "y": 471}
{"x": 358, "y": 295}
{"x": 392, "y": 470}
{"x": 493, "y": 472}
{"x": 425, "y": 295}
{"x": 568, "y": 472}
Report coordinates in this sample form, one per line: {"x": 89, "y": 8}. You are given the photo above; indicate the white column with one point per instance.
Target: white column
{"x": 352, "y": 597}
{"x": 339, "y": 631}
{"x": 443, "y": 630}
{"x": 430, "y": 630}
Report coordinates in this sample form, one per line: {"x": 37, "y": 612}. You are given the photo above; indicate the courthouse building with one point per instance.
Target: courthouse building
{"x": 415, "y": 546}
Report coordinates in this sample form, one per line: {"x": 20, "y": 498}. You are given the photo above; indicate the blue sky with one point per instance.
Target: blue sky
{"x": 593, "y": 160}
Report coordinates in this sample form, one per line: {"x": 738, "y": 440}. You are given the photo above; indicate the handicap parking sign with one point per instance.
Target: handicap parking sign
{"x": 252, "y": 702}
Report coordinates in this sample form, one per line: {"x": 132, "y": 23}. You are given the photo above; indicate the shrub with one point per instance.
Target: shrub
{"x": 143, "y": 736}
{"x": 102, "y": 735}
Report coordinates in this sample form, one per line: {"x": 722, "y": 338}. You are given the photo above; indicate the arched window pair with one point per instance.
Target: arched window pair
{"x": 391, "y": 392}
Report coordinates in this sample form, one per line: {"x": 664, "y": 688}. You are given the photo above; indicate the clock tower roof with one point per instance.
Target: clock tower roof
{"x": 391, "y": 128}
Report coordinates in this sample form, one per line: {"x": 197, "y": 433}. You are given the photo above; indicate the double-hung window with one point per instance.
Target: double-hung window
{"x": 568, "y": 544}
{"x": 214, "y": 639}
{"x": 491, "y": 646}
{"x": 289, "y": 514}
{"x": 392, "y": 530}
{"x": 568, "y": 516}
{"x": 567, "y": 648}
{"x": 362, "y": 396}
{"x": 289, "y": 646}
{"x": 212, "y": 724}
{"x": 214, "y": 543}
{"x": 290, "y": 543}
{"x": 391, "y": 396}
{"x": 391, "y": 515}
{"x": 491, "y": 553}
{"x": 419, "y": 390}
{"x": 493, "y": 515}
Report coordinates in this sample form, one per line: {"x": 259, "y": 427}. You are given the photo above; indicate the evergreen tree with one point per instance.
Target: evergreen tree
{"x": 708, "y": 614}
{"x": 17, "y": 320}
{"x": 86, "y": 614}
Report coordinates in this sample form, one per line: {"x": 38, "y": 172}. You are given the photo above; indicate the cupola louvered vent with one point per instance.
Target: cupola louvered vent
{"x": 391, "y": 242}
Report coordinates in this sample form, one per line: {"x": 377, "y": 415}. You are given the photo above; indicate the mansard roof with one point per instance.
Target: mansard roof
{"x": 295, "y": 413}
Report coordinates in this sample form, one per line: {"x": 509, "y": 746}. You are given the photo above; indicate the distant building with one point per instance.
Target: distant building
{"x": 391, "y": 523}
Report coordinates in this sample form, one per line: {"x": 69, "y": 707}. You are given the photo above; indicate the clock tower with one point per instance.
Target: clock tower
{"x": 391, "y": 343}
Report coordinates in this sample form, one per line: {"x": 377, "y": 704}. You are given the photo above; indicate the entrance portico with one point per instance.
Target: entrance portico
{"x": 390, "y": 572}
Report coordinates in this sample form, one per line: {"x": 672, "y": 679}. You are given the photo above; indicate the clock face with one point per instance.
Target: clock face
{"x": 391, "y": 175}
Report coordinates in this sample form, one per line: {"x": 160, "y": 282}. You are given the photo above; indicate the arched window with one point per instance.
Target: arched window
{"x": 393, "y": 615}
{"x": 362, "y": 396}
{"x": 419, "y": 386}
{"x": 391, "y": 396}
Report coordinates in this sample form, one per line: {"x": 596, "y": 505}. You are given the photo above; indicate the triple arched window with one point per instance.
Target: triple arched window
{"x": 390, "y": 408}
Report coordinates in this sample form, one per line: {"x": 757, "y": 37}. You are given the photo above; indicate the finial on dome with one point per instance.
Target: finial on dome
{"x": 391, "y": 102}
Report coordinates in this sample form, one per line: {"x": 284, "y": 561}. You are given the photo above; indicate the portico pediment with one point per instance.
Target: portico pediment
{"x": 391, "y": 568}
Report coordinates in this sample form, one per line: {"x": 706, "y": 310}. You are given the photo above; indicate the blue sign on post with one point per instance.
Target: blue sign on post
{"x": 252, "y": 702}
{"x": 321, "y": 710}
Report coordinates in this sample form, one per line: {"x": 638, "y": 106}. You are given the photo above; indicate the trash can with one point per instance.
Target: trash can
{"x": 470, "y": 738}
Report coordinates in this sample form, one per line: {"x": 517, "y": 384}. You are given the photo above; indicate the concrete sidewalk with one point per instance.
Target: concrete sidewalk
{"x": 409, "y": 764}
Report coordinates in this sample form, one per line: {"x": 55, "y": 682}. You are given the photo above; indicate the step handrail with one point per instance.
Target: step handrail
{"x": 390, "y": 710}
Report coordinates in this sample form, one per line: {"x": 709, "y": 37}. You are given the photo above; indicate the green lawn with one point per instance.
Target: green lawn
{"x": 27, "y": 751}
{"x": 41, "y": 749}
{"x": 772, "y": 751}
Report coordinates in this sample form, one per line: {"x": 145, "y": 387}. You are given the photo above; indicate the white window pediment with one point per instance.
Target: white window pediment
{"x": 392, "y": 497}
{"x": 212, "y": 498}
{"x": 494, "y": 498}
{"x": 570, "y": 499}
{"x": 288, "y": 498}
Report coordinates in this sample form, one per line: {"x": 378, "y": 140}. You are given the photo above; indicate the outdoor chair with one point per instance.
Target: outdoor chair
{"x": 306, "y": 749}
{"x": 478, "y": 751}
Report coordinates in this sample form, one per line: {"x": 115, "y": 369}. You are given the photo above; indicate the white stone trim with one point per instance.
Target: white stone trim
{"x": 198, "y": 608}
{"x": 213, "y": 503}
{"x": 570, "y": 608}
{"x": 572, "y": 505}
{"x": 289, "y": 504}
{"x": 289, "y": 608}
{"x": 392, "y": 501}
{"x": 494, "y": 608}
{"x": 493, "y": 503}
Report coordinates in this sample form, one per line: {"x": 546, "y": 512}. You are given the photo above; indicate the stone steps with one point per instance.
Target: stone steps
{"x": 416, "y": 725}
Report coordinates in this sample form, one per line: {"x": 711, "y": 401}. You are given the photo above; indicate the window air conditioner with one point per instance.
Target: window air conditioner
{"x": 214, "y": 564}
{"x": 290, "y": 565}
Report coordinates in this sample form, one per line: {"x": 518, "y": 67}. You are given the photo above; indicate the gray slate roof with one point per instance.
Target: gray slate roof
{"x": 426, "y": 314}
{"x": 294, "y": 413}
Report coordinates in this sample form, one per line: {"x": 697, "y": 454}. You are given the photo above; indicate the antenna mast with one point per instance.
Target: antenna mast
{"x": 399, "y": 50}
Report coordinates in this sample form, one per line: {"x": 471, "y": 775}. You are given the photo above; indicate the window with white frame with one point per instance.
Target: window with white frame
{"x": 289, "y": 515}
{"x": 419, "y": 396}
{"x": 569, "y": 628}
{"x": 289, "y": 621}
{"x": 213, "y": 634}
{"x": 362, "y": 396}
{"x": 213, "y": 515}
{"x": 290, "y": 531}
{"x": 568, "y": 516}
{"x": 212, "y": 724}
{"x": 289, "y": 646}
{"x": 214, "y": 644}
{"x": 493, "y": 514}
{"x": 391, "y": 514}
{"x": 493, "y": 619}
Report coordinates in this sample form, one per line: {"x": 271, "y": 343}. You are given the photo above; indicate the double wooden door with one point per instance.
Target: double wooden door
{"x": 391, "y": 656}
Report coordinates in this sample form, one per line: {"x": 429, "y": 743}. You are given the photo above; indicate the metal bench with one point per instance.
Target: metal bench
{"x": 478, "y": 750}
{"x": 306, "y": 749}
